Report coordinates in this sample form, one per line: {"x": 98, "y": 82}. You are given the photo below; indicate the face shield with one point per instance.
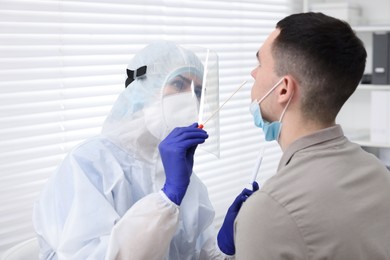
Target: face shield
{"x": 168, "y": 86}
{"x": 191, "y": 94}
{"x": 181, "y": 95}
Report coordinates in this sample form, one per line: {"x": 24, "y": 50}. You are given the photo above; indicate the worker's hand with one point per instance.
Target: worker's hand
{"x": 177, "y": 155}
{"x": 226, "y": 233}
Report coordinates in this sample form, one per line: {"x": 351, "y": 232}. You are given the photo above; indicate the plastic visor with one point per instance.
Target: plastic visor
{"x": 202, "y": 81}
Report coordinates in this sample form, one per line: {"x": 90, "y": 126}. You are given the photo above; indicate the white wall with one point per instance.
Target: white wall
{"x": 375, "y": 12}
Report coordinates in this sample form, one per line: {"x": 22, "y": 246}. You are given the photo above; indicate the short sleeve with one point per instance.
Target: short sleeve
{"x": 265, "y": 230}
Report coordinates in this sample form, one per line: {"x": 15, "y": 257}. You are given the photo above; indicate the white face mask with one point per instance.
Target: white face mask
{"x": 180, "y": 109}
{"x": 173, "y": 111}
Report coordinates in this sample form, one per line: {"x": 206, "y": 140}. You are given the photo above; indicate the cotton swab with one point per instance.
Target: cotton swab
{"x": 215, "y": 112}
{"x": 257, "y": 166}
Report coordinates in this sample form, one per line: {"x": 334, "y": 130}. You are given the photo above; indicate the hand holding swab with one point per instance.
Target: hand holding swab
{"x": 215, "y": 112}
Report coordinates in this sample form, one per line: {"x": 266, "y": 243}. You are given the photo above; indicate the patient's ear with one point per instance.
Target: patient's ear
{"x": 286, "y": 89}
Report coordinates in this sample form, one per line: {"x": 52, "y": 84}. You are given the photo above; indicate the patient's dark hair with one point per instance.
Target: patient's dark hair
{"x": 326, "y": 58}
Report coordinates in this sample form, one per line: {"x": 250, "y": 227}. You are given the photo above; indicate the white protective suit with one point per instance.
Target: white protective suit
{"x": 105, "y": 199}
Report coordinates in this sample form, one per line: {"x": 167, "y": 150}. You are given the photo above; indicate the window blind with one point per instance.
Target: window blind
{"x": 62, "y": 65}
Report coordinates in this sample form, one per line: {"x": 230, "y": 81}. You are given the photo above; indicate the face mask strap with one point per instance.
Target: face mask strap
{"x": 269, "y": 92}
{"x": 140, "y": 72}
{"x": 133, "y": 74}
{"x": 285, "y": 109}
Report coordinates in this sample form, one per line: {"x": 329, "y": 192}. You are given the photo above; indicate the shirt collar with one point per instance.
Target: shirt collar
{"x": 320, "y": 136}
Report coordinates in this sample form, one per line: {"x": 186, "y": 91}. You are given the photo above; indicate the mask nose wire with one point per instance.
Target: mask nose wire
{"x": 270, "y": 91}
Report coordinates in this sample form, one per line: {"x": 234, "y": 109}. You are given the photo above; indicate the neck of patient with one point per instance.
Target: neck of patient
{"x": 295, "y": 127}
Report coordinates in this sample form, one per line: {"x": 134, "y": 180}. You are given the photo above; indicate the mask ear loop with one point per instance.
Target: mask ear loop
{"x": 282, "y": 115}
{"x": 285, "y": 109}
{"x": 269, "y": 91}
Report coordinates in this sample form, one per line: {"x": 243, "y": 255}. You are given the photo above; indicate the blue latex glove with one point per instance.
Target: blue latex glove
{"x": 226, "y": 233}
{"x": 177, "y": 155}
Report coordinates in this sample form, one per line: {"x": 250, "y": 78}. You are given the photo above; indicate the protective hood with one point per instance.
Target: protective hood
{"x": 163, "y": 90}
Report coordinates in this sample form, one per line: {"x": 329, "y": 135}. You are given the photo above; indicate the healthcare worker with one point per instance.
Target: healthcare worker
{"x": 111, "y": 197}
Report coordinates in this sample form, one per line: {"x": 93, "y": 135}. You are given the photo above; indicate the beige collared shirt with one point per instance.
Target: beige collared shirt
{"x": 329, "y": 200}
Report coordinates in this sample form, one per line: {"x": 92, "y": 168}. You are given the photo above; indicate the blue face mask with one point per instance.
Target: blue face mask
{"x": 271, "y": 129}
